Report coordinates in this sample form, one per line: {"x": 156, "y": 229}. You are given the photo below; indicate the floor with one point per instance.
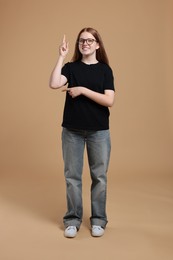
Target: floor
{"x": 140, "y": 214}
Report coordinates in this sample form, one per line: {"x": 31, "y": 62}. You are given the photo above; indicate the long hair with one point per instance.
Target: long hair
{"x": 101, "y": 55}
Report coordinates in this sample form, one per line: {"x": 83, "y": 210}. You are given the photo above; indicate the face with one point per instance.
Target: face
{"x": 87, "y": 44}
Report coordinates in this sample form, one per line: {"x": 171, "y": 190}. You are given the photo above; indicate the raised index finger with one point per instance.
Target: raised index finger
{"x": 64, "y": 40}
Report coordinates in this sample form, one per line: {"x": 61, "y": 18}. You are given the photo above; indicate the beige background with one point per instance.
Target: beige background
{"x": 138, "y": 36}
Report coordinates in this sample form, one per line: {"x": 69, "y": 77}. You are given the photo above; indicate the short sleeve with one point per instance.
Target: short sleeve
{"x": 66, "y": 70}
{"x": 108, "y": 79}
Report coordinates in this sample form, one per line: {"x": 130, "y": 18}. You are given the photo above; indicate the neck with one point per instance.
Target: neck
{"x": 89, "y": 60}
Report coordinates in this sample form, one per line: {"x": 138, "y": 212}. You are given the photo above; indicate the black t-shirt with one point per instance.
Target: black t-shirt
{"x": 81, "y": 112}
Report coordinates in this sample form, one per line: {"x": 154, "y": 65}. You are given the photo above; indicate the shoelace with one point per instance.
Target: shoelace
{"x": 71, "y": 228}
{"x": 97, "y": 227}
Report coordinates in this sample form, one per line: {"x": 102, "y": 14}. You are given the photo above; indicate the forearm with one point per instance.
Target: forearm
{"x": 106, "y": 99}
{"x": 55, "y": 78}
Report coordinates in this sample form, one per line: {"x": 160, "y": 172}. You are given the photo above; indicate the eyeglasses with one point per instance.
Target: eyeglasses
{"x": 89, "y": 41}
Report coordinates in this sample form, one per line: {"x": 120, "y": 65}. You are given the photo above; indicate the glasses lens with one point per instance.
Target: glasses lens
{"x": 81, "y": 41}
{"x": 90, "y": 41}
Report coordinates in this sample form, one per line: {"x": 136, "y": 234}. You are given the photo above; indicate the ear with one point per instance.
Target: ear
{"x": 97, "y": 47}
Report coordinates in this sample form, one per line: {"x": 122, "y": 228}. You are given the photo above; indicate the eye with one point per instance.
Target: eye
{"x": 90, "y": 41}
{"x": 81, "y": 41}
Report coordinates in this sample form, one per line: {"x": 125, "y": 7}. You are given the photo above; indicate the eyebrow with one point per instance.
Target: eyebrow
{"x": 87, "y": 38}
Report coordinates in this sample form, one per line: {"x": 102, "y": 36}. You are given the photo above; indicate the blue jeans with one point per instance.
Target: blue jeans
{"x": 98, "y": 151}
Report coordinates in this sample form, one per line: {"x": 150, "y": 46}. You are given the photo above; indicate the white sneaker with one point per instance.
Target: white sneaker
{"x": 70, "y": 231}
{"x": 97, "y": 231}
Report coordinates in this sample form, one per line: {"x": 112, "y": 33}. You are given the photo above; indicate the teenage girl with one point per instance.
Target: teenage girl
{"x": 89, "y": 95}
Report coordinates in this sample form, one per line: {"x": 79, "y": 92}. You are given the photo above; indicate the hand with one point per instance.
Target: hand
{"x": 74, "y": 91}
{"x": 64, "y": 47}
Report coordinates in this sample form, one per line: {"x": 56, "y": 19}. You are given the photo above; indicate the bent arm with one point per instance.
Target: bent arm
{"x": 56, "y": 79}
{"x": 106, "y": 99}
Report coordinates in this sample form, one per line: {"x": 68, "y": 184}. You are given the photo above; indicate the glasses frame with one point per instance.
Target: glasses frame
{"x": 82, "y": 41}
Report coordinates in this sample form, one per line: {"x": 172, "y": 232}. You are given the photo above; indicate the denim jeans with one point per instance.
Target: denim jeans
{"x": 98, "y": 151}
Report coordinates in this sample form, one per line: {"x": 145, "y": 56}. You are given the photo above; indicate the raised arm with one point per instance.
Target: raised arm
{"x": 56, "y": 79}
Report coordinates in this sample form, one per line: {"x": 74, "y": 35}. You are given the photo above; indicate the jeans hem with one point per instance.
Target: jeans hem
{"x": 72, "y": 222}
{"x": 98, "y": 222}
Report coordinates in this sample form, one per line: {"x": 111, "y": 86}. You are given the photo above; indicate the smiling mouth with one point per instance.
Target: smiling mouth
{"x": 85, "y": 48}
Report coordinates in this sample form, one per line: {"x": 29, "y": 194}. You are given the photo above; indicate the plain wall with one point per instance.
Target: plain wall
{"x": 138, "y": 37}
